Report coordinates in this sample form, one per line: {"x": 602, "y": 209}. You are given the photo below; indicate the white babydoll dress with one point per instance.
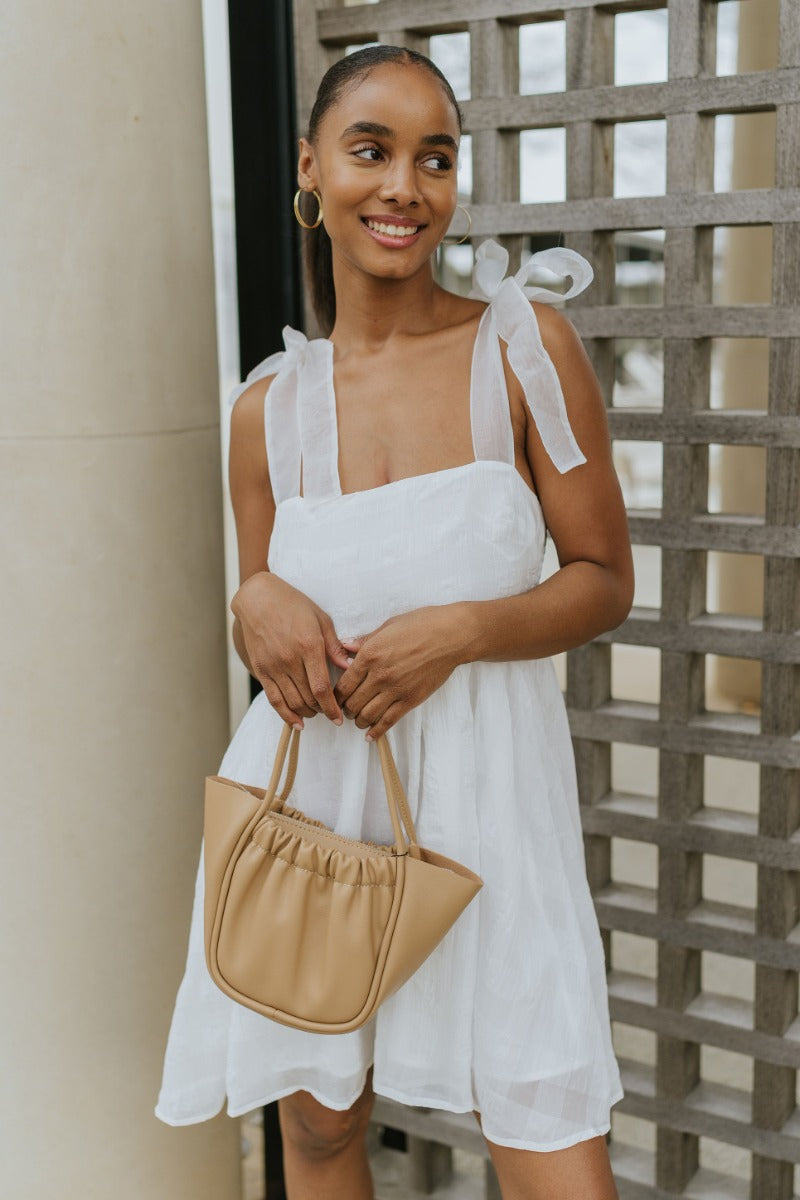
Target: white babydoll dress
{"x": 509, "y": 1015}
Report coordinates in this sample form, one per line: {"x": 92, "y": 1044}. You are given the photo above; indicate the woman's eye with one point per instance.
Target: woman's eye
{"x": 371, "y": 153}
{"x": 439, "y": 162}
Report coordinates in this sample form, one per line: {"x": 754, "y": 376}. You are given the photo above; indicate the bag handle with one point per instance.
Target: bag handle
{"x": 395, "y": 793}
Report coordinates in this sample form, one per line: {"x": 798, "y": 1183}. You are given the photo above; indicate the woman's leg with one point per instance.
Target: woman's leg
{"x": 325, "y": 1151}
{"x": 580, "y": 1172}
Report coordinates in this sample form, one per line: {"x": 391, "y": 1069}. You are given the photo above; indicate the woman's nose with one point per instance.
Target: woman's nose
{"x": 400, "y": 183}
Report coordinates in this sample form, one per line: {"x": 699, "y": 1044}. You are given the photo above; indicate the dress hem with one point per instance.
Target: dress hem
{"x": 571, "y": 1139}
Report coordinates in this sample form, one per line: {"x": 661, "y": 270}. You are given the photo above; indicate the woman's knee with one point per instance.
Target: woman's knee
{"x": 316, "y": 1131}
{"x": 583, "y": 1169}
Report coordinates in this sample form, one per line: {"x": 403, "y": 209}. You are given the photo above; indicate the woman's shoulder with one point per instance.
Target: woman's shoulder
{"x": 558, "y": 335}
{"x": 557, "y": 332}
{"x": 247, "y": 398}
{"x": 251, "y": 392}
{"x": 247, "y": 409}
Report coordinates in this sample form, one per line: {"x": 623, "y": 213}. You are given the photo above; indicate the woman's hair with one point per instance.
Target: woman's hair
{"x": 346, "y": 72}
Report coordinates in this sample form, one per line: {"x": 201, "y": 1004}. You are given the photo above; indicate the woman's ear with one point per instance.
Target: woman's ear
{"x": 306, "y": 166}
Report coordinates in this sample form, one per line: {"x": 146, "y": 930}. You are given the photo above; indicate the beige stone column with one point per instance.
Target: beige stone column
{"x": 112, "y": 613}
{"x": 748, "y": 275}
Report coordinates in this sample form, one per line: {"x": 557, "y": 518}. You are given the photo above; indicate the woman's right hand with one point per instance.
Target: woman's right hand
{"x": 288, "y": 640}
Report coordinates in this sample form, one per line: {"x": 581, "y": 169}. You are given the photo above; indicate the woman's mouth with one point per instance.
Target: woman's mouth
{"x": 392, "y": 233}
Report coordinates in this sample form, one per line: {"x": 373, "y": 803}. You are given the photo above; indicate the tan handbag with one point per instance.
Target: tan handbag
{"x": 309, "y": 928}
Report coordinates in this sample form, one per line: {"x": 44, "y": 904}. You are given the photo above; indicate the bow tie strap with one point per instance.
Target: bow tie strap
{"x": 518, "y": 327}
{"x": 516, "y": 323}
{"x": 281, "y": 427}
{"x": 560, "y": 261}
{"x": 286, "y": 360}
{"x": 491, "y": 269}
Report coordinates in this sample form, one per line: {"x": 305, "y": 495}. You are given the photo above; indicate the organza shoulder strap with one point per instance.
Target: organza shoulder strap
{"x": 511, "y": 317}
{"x": 316, "y": 409}
{"x": 281, "y": 419}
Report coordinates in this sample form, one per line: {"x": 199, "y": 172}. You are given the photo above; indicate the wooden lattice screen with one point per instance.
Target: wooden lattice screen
{"x": 676, "y": 1008}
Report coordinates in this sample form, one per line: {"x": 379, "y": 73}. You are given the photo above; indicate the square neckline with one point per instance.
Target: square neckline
{"x": 475, "y": 461}
{"x": 304, "y": 414}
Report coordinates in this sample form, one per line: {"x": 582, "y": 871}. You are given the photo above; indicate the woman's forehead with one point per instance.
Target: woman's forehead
{"x": 404, "y": 98}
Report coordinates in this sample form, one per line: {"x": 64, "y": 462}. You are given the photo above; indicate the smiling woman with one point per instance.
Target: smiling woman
{"x": 430, "y": 150}
{"x": 392, "y": 229}
{"x": 393, "y": 483}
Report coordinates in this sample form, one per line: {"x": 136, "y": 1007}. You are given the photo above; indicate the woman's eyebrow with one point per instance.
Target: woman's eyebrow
{"x": 368, "y": 127}
{"x": 441, "y": 139}
{"x": 377, "y": 130}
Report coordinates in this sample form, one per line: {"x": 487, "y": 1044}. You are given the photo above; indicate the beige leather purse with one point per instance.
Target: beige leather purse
{"x": 309, "y": 928}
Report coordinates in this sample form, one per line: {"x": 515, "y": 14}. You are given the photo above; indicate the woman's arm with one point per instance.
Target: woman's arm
{"x": 281, "y": 636}
{"x": 400, "y": 664}
{"x": 251, "y": 494}
{"x": 585, "y": 515}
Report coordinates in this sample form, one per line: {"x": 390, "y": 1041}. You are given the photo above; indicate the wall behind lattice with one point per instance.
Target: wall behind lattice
{"x": 703, "y": 987}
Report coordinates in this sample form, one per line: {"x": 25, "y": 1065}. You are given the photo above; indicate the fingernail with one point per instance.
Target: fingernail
{"x": 338, "y": 720}
{"x": 369, "y": 738}
{"x": 349, "y": 662}
{"x": 297, "y": 726}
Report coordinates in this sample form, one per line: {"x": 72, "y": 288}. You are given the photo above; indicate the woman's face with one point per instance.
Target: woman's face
{"x": 384, "y": 161}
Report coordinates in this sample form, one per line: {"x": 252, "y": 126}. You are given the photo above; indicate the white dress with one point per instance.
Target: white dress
{"x": 509, "y": 1015}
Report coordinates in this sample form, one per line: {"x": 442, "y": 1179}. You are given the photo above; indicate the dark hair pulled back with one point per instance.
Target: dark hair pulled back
{"x": 346, "y": 72}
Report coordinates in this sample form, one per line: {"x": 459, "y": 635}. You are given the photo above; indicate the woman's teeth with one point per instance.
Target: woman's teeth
{"x": 394, "y": 230}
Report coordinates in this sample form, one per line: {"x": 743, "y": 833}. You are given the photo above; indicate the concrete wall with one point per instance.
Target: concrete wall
{"x": 112, "y": 613}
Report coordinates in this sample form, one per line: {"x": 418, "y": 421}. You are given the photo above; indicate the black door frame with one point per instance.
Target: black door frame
{"x": 264, "y": 169}
{"x": 269, "y": 285}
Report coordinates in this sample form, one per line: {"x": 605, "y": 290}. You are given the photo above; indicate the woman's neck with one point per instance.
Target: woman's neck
{"x": 371, "y": 311}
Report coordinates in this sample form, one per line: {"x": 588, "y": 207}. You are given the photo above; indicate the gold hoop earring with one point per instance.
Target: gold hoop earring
{"x": 468, "y": 215}
{"x": 297, "y": 213}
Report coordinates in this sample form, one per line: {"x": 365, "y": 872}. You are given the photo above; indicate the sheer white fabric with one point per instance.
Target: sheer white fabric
{"x": 518, "y": 327}
{"x": 509, "y": 1015}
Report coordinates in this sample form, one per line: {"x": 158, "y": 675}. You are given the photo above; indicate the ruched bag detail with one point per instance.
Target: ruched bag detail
{"x": 350, "y": 870}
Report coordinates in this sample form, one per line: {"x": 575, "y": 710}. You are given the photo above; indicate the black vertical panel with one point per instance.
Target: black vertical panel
{"x": 267, "y": 244}
{"x": 268, "y": 273}
{"x": 264, "y": 170}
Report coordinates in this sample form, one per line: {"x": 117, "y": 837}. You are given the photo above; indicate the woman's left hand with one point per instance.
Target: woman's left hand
{"x": 399, "y": 665}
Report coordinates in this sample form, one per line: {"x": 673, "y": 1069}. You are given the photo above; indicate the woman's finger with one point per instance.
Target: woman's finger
{"x": 298, "y": 698}
{"x": 285, "y": 666}
{"x": 292, "y": 681}
{"x": 349, "y": 680}
{"x": 320, "y": 688}
{"x": 389, "y": 718}
{"x": 365, "y": 694}
{"x": 276, "y": 698}
{"x": 373, "y": 710}
{"x": 334, "y": 648}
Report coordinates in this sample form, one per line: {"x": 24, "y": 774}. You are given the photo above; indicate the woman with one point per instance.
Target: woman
{"x": 398, "y": 477}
